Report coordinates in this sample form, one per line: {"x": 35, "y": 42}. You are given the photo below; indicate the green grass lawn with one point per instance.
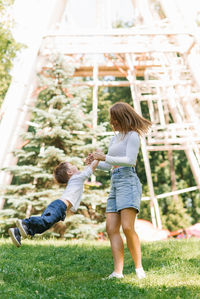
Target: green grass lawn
{"x": 74, "y": 269}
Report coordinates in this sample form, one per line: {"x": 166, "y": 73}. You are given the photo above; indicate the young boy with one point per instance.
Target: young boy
{"x": 64, "y": 173}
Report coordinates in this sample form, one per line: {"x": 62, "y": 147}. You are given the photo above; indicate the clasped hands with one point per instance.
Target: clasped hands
{"x": 98, "y": 155}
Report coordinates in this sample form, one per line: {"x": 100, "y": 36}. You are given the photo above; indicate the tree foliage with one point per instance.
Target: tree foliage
{"x": 61, "y": 130}
{"x": 8, "y": 48}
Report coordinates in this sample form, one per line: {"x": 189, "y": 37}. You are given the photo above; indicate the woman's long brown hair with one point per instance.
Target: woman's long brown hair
{"x": 127, "y": 119}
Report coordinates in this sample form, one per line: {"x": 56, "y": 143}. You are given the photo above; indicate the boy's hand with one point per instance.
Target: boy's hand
{"x": 89, "y": 159}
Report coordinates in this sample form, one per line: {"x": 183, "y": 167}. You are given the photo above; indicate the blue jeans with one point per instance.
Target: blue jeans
{"x": 54, "y": 212}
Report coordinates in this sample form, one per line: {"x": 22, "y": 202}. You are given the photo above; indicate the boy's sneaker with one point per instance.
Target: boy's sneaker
{"x": 15, "y": 236}
{"x": 22, "y": 228}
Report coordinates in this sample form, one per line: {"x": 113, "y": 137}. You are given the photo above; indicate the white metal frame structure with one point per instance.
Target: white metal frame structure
{"x": 162, "y": 56}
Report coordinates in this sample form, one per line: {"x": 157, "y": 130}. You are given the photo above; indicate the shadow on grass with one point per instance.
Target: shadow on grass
{"x": 68, "y": 270}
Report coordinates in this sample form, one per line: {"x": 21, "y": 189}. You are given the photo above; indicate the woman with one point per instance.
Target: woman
{"x": 125, "y": 195}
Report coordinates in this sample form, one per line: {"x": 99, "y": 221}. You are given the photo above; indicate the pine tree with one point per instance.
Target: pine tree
{"x": 176, "y": 216}
{"x": 61, "y": 130}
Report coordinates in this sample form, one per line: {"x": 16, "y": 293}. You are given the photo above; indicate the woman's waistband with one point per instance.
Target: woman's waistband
{"x": 123, "y": 169}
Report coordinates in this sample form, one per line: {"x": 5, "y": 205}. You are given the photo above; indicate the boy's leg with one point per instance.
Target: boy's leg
{"x": 55, "y": 212}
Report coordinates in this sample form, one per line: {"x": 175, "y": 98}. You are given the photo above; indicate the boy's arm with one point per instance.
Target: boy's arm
{"x": 87, "y": 172}
{"x": 94, "y": 165}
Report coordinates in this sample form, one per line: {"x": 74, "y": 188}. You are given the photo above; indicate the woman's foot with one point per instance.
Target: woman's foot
{"x": 140, "y": 273}
{"x": 114, "y": 275}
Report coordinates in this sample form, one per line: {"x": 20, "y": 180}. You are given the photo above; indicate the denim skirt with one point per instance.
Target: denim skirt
{"x": 126, "y": 190}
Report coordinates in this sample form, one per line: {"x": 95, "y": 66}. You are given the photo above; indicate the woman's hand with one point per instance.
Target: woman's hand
{"x": 99, "y": 156}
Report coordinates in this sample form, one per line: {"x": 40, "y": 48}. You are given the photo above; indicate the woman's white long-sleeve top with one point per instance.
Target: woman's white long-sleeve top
{"x": 122, "y": 151}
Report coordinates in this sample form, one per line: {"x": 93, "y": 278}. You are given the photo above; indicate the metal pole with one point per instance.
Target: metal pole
{"x": 153, "y": 200}
{"x": 94, "y": 105}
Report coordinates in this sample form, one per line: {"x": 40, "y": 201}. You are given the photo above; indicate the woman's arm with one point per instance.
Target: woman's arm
{"x": 130, "y": 159}
{"x": 104, "y": 166}
{"x": 132, "y": 149}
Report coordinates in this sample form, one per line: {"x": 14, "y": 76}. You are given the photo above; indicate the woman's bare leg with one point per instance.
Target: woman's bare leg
{"x": 128, "y": 217}
{"x": 113, "y": 222}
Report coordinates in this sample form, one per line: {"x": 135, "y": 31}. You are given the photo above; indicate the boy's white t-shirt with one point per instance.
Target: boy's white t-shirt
{"x": 74, "y": 190}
